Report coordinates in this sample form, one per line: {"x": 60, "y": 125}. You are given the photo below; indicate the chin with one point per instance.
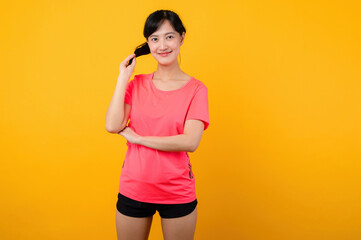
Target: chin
{"x": 166, "y": 62}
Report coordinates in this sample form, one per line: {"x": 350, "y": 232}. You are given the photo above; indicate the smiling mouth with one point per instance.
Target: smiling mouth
{"x": 165, "y": 53}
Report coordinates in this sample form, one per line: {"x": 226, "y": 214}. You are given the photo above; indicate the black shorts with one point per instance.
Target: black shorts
{"x": 133, "y": 208}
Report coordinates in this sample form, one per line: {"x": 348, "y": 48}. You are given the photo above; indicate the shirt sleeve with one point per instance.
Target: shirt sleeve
{"x": 129, "y": 92}
{"x": 198, "y": 108}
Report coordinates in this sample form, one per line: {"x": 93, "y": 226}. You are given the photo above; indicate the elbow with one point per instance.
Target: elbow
{"x": 111, "y": 129}
{"x": 193, "y": 143}
{"x": 193, "y": 147}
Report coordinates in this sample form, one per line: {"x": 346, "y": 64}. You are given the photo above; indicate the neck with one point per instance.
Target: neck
{"x": 167, "y": 72}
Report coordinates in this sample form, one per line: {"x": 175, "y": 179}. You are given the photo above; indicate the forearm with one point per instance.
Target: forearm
{"x": 175, "y": 143}
{"x": 115, "y": 113}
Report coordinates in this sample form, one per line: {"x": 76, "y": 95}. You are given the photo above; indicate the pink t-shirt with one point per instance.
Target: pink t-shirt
{"x": 148, "y": 174}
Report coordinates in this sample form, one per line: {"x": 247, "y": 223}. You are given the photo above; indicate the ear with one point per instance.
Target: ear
{"x": 182, "y": 38}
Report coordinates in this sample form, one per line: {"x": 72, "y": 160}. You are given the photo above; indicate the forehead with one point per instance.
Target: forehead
{"x": 165, "y": 28}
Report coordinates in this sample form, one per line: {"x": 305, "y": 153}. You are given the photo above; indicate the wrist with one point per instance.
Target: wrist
{"x": 122, "y": 81}
{"x": 140, "y": 140}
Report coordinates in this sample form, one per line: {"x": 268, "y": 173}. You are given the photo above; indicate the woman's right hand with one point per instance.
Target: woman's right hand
{"x": 126, "y": 72}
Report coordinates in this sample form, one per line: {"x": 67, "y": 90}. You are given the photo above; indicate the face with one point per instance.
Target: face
{"x": 165, "y": 40}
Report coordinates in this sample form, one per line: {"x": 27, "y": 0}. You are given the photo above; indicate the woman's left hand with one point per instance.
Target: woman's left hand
{"x": 130, "y": 135}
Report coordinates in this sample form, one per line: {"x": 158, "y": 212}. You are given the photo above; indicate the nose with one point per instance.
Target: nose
{"x": 163, "y": 45}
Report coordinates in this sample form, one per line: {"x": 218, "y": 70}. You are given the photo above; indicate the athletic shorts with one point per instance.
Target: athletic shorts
{"x": 133, "y": 208}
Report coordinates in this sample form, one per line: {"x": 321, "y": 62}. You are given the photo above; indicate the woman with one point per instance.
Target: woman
{"x": 168, "y": 112}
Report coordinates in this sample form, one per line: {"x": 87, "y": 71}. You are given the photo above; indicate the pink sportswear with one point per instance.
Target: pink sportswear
{"x": 148, "y": 174}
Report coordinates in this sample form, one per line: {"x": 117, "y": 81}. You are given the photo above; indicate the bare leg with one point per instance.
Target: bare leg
{"x": 132, "y": 228}
{"x": 182, "y": 228}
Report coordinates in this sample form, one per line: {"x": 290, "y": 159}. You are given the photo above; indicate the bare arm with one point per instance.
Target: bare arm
{"x": 114, "y": 120}
{"x": 188, "y": 141}
{"x": 175, "y": 143}
{"x": 118, "y": 113}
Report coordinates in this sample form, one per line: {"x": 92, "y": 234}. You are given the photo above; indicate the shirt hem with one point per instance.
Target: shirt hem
{"x": 127, "y": 194}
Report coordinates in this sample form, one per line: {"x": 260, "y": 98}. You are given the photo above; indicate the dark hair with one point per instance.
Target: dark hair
{"x": 153, "y": 22}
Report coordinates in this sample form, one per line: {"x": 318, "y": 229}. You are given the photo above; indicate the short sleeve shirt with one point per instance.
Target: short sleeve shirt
{"x": 152, "y": 175}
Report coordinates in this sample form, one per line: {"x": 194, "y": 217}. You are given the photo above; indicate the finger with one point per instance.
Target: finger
{"x": 128, "y": 58}
{"x": 132, "y": 64}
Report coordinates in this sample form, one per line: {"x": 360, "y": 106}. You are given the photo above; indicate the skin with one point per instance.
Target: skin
{"x": 168, "y": 76}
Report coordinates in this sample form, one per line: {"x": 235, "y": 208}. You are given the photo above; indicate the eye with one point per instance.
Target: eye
{"x": 156, "y": 38}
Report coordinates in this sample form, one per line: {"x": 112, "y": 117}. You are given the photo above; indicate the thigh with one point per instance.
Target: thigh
{"x": 181, "y": 228}
{"x": 132, "y": 228}
{"x": 133, "y": 218}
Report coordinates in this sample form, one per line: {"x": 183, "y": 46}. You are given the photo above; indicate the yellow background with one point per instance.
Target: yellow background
{"x": 280, "y": 159}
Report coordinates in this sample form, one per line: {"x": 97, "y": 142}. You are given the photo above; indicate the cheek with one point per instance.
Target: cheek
{"x": 151, "y": 48}
{"x": 177, "y": 48}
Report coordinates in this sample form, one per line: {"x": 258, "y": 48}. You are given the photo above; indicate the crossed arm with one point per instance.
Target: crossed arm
{"x": 188, "y": 141}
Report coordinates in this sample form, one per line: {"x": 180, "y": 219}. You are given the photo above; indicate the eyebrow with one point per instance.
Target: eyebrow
{"x": 164, "y": 34}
